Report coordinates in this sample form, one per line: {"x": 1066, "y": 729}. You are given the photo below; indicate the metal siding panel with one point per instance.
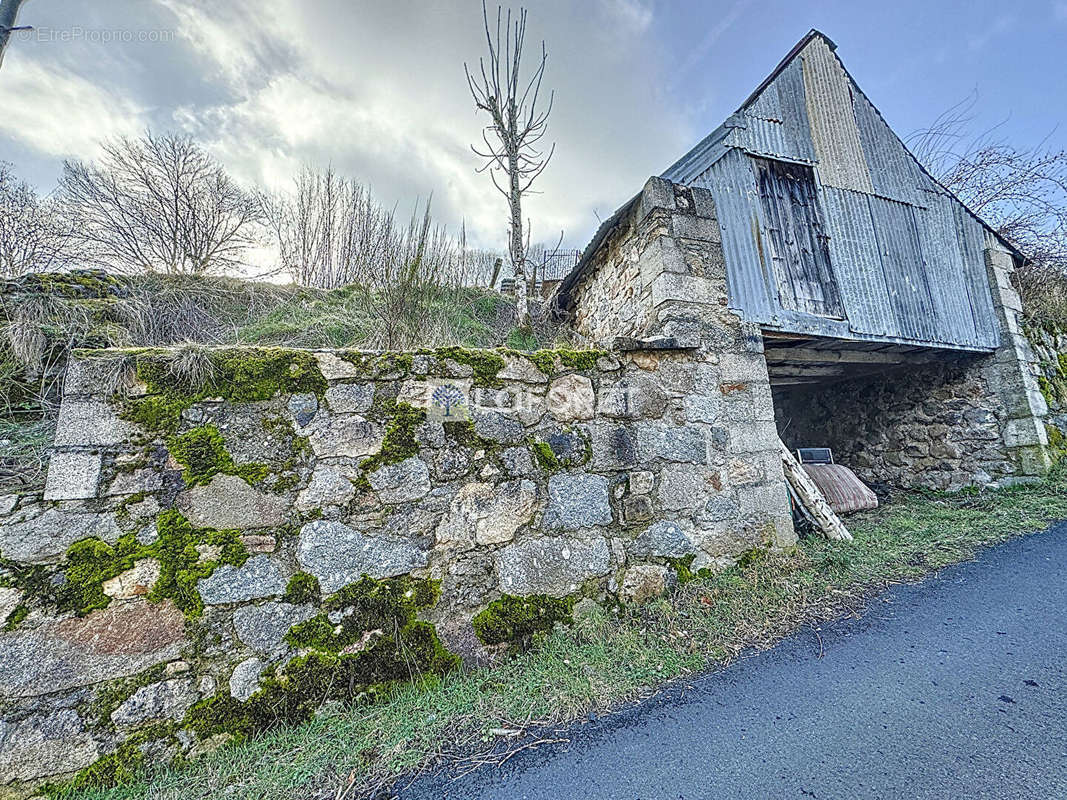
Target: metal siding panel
{"x": 733, "y": 188}
{"x": 776, "y": 122}
{"x": 856, "y": 263}
{"x": 897, "y": 234}
{"x": 766, "y": 132}
{"x": 828, "y": 93}
{"x": 791, "y": 99}
{"x": 950, "y": 280}
{"x": 970, "y": 236}
{"x": 894, "y": 173}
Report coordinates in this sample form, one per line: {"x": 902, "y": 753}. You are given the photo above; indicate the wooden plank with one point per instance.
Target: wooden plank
{"x": 809, "y": 496}
{"x": 809, "y": 371}
{"x": 796, "y": 239}
{"x": 811, "y": 356}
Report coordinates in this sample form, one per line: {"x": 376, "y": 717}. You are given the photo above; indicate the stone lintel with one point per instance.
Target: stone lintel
{"x": 628, "y": 344}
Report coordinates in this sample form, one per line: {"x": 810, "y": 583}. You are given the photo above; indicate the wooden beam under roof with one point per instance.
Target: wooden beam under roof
{"x": 806, "y": 355}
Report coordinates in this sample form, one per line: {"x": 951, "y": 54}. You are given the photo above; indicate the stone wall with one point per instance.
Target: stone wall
{"x": 150, "y": 596}
{"x": 1050, "y": 352}
{"x": 658, "y": 269}
{"x": 923, "y": 426}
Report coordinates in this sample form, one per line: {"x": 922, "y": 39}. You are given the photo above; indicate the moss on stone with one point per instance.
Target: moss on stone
{"x": 754, "y": 555}
{"x": 464, "y": 434}
{"x": 683, "y": 569}
{"x": 485, "y": 364}
{"x": 15, "y": 618}
{"x": 302, "y": 588}
{"x": 377, "y": 643}
{"x": 202, "y": 452}
{"x": 97, "y": 712}
{"x": 580, "y": 359}
{"x": 545, "y": 455}
{"x": 79, "y": 585}
{"x": 80, "y": 284}
{"x": 399, "y": 442}
{"x": 566, "y": 359}
{"x": 515, "y": 619}
{"x": 368, "y": 604}
{"x": 180, "y": 565}
{"x": 238, "y": 374}
{"x": 157, "y": 414}
{"x": 116, "y": 768}
{"x": 284, "y": 483}
{"x": 375, "y": 364}
{"x": 1057, "y": 443}
{"x": 544, "y": 360}
{"x": 292, "y": 694}
{"x": 235, "y": 374}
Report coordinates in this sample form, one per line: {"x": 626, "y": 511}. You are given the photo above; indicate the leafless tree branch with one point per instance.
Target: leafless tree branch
{"x": 35, "y": 234}
{"x": 1021, "y": 193}
{"x": 158, "y": 204}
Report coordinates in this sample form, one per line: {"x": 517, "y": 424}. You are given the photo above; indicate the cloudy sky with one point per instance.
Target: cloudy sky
{"x": 377, "y": 89}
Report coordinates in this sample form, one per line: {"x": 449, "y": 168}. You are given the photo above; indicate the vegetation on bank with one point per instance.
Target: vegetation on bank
{"x": 43, "y": 317}
{"x": 607, "y": 657}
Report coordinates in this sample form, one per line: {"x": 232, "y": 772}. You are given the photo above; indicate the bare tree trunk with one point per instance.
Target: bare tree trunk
{"x": 9, "y": 11}
{"x": 518, "y": 252}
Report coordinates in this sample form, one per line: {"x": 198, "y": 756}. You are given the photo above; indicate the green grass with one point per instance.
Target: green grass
{"x": 610, "y": 659}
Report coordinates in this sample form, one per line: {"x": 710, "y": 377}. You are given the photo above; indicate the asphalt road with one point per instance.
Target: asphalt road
{"x": 952, "y": 688}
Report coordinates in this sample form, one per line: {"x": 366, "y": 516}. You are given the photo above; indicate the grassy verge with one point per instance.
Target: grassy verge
{"x": 610, "y": 660}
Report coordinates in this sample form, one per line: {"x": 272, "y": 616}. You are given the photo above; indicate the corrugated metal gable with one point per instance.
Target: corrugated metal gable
{"x": 906, "y": 254}
{"x": 894, "y": 173}
{"x": 793, "y": 104}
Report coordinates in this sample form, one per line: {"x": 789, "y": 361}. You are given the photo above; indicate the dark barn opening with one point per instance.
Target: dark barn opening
{"x": 898, "y": 416}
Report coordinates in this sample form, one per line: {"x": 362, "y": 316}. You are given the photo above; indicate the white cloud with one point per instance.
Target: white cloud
{"x": 380, "y": 94}
{"x": 374, "y": 89}
{"x": 635, "y": 14}
{"x": 62, "y": 114}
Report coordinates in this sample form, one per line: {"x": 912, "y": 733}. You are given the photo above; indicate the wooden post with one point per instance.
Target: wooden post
{"x": 828, "y": 523}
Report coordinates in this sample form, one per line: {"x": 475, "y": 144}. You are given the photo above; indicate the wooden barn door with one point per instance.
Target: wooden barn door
{"x": 796, "y": 241}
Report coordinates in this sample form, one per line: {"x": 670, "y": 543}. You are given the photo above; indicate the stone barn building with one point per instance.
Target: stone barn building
{"x": 212, "y": 556}
{"x": 877, "y": 308}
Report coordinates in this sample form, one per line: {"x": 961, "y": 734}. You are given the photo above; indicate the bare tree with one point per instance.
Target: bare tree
{"x": 516, "y": 126}
{"x": 328, "y": 230}
{"x": 35, "y": 236}
{"x": 9, "y": 12}
{"x": 1021, "y": 193}
{"x": 159, "y": 204}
